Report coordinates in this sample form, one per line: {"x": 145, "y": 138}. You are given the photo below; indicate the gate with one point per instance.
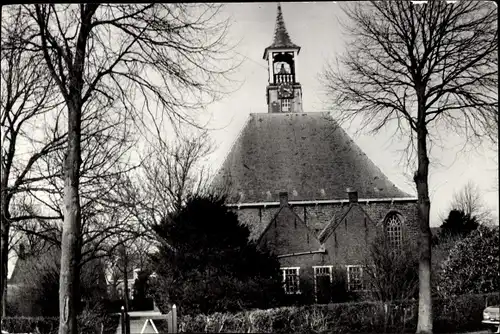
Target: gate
{"x": 143, "y": 322}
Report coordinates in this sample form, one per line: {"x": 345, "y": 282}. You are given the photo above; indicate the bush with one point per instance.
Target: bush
{"x": 39, "y": 278}
{"x": 472, "y": 265}
{"x": 89, "y": 321}
{"x": 47, "y": 325}
{"x": 451, "y": 315}
{"x": 333, "y": 318}
{"x": 215, "y": 267}
{"x": 392, "y": 272}
{"x": 461, "y": 312}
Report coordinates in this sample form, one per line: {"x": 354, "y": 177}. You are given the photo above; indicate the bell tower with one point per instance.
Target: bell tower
{"x": 284, "y": 92}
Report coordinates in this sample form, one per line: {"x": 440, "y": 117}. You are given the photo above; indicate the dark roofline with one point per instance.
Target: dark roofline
{"x": 266, "y": 50}
{"x": 325, "y": 202}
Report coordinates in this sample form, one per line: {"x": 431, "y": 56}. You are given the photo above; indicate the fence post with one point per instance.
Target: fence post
{"x": 385, "y": 316}
{"x": 122, "y": 319}
{"x": 174, "y": 319}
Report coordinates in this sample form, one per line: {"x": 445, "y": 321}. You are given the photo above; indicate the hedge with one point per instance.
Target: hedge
{"x": 30, "y": 324}
{"x": 88, "y": 323}
{"x": 450, "y": 315}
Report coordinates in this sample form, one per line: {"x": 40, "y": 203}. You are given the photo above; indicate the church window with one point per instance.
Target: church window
{"x": 291, "y": 281}
{"x": 355, "y": 280}
{"x": 285, "y": 105}
{"x": 393, "y": 230}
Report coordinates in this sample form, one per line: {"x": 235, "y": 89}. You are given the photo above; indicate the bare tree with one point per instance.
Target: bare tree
{"x": 28, "y": 101}
{"x": 172, "y": 172}
{"x": 392, "y": 272}
{"x": 469, "y": 201}
{"x": 124, "y": 57}
{"x": 168, "y": 175}
{"x": 425, "y": 69}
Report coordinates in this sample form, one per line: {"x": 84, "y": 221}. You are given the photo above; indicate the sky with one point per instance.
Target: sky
{"x": 316, "y": 29}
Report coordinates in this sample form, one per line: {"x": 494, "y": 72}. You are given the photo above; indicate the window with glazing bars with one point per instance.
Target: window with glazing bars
{"x": 285, "y": 105}
{"x": 291, "y": 280}
{"x": 355, "y": 278}
{"x": 393, "y": 228}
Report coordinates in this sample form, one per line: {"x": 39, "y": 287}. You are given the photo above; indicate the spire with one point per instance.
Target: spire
{"x": 281, "y": 38}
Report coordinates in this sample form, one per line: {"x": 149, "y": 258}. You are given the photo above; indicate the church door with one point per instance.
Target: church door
{"x": 323, "y": 285}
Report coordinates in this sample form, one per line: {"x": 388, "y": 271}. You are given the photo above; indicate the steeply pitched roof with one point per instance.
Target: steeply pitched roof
{"x": 281, "y": 39}
{"x": 305, "y": 154}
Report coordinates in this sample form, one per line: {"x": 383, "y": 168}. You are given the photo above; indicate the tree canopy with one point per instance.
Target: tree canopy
{"x": 211, "y": 265}
{"x": 458, "y": 223}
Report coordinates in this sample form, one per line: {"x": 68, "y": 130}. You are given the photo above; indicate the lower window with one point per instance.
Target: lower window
{"x": 291, "y": 280}
{"x": 355, "y": 281}
{"x": 323, "y": 284}
{"x": 285, "y": 105}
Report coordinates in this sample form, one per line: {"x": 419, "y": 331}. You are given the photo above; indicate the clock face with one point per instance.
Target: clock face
{"x": 286, "y": 91}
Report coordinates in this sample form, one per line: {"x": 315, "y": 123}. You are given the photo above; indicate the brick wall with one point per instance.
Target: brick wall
{"x": 347, "y": 245}
{"x": 288, "y": 234}
{"x": 317, "y": 216}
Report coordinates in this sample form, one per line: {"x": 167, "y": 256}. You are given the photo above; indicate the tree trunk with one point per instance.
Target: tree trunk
{"x": 4, "y": 242}
{"x": 4, "y": 246}
{"x": 5, "y": 260}
{"x": 125, "y": 288}
{"x": 69, "y": 297}
{"x": 424, "y": 325}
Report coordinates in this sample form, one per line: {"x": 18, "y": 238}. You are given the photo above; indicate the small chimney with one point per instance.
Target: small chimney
{"x": 283, "y": 199}
{"x": 352, "y": 195}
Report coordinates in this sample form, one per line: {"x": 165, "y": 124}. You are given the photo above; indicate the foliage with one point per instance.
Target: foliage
{"x": 141, "y": 285}
{"x": 458, "y": 224}
{"x": 333, "y": 318}
{"x": 468, "y": 200}
{"x": 39, "y": 293}
{"x": 89, "y": 321}
{"x": 392, "y": 273}
{"x": 207, "y": 264}
{"x": 30, "y": 324}
{"x": 461, "y": 313}
{"x": 472, "y": 266}
{"x": 451, "y": 315}
{"x": 94, "y": 318}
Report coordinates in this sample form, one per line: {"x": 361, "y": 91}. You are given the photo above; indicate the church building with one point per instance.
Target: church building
{"x": 306, "y": 190}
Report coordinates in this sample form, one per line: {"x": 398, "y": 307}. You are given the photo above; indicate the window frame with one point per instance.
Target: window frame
{"x": 288, "y": 103}
{"x": 394, "y": 230}
{"x": 330, "y": 273}
{"x": 363, "y": 285}
{"x": 297, "y": 275}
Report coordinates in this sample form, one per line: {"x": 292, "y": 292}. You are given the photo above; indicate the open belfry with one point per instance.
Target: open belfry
{"x": 306, "y": 190}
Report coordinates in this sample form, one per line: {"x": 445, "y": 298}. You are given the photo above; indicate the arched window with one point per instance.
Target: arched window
{"x": 393, "y": 227}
